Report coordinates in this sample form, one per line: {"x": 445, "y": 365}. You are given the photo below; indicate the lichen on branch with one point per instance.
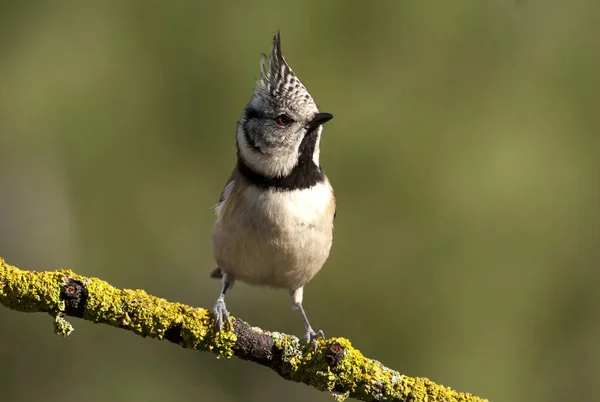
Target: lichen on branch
{"x": 336, "y": 366}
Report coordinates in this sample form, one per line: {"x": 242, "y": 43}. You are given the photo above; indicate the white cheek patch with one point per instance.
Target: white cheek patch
{"x": 317, "y": 152}
{"x": 267, "y": 165}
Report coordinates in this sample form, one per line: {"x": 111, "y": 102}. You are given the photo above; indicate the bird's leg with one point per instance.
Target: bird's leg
{"x": 311, "y": 336}
{"x": 219, "y": 309}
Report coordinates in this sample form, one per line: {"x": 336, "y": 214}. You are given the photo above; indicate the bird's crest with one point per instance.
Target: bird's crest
{"x": 277, "y": 81}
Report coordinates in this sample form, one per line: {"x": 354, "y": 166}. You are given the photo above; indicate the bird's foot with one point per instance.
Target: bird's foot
{"x": 312, "y": 337}
{"x": 221, "y": 314}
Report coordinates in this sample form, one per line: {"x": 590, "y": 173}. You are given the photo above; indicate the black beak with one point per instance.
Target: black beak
{"x": 319, "y": 119}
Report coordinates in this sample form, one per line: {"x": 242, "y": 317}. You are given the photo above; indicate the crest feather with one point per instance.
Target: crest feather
{"x": 274, "y": 70}
{"x": 277, "y": 80}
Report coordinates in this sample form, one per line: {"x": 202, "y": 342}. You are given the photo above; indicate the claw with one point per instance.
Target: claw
{"x": 221, "y": 314}
{"x": 312, "y": 337}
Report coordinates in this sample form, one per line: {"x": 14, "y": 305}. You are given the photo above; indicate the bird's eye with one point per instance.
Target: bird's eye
{"x": 283, "y": 120}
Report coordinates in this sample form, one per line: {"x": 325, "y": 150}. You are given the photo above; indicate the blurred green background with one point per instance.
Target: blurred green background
{"x": 464, "y": 154}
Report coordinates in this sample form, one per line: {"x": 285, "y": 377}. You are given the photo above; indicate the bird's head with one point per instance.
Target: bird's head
{"x": 281, "y": 123}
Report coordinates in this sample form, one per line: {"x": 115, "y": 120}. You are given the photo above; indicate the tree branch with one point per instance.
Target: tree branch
{"x": 336, "y": 366}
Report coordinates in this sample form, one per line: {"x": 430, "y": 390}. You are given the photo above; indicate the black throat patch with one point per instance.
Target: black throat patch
{"x": 304, "y": 175}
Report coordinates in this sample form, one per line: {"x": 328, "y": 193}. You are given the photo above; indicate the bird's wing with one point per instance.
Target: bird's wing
{"x": 225, "y": 192}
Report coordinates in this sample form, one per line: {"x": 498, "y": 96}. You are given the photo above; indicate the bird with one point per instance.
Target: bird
{"x": 275, "y": 215}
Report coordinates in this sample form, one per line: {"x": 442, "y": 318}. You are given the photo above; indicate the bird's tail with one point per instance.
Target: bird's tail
{"x": 216, "y": 273}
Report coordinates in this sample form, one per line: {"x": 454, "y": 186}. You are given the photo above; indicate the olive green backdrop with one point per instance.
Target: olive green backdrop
{"x": 464, "y": 154}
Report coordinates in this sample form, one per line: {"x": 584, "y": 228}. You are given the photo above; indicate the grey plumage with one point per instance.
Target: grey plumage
{"x": 274, "y": 223}
{"x": 277, "y": 84}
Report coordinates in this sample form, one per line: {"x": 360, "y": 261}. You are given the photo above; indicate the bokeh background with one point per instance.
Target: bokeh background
{"x": 464, "y": 154}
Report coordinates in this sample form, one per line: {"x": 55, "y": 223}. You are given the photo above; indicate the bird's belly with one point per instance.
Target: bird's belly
{"x": 285, "y": 259}
{"x": 275, "y": 239}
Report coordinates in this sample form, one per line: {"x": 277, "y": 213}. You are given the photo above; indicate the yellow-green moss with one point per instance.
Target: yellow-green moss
{"x": 368, "y": 379}
{"x": 355, "y": 375}
{"x": 358, "y": 376}
{"x": 290, "y": 347}
{"x": 135, "y": 310}
{"x": 62, "y": 327}
{"x": 352, "y": 375}
{"x": 30, "y": 291}
{"x": 151, "y": 316}
{"x": 302, "y": 362}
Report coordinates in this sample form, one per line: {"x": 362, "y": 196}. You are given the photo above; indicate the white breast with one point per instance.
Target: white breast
{"x": 298, "y": 207}
{"x": 275, "y": 238}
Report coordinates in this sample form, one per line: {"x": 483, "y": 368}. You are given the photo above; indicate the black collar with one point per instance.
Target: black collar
{"x": 304, "y": 175}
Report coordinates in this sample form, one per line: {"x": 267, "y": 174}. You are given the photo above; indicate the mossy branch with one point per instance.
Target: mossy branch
{"x": 336, "y": 366}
